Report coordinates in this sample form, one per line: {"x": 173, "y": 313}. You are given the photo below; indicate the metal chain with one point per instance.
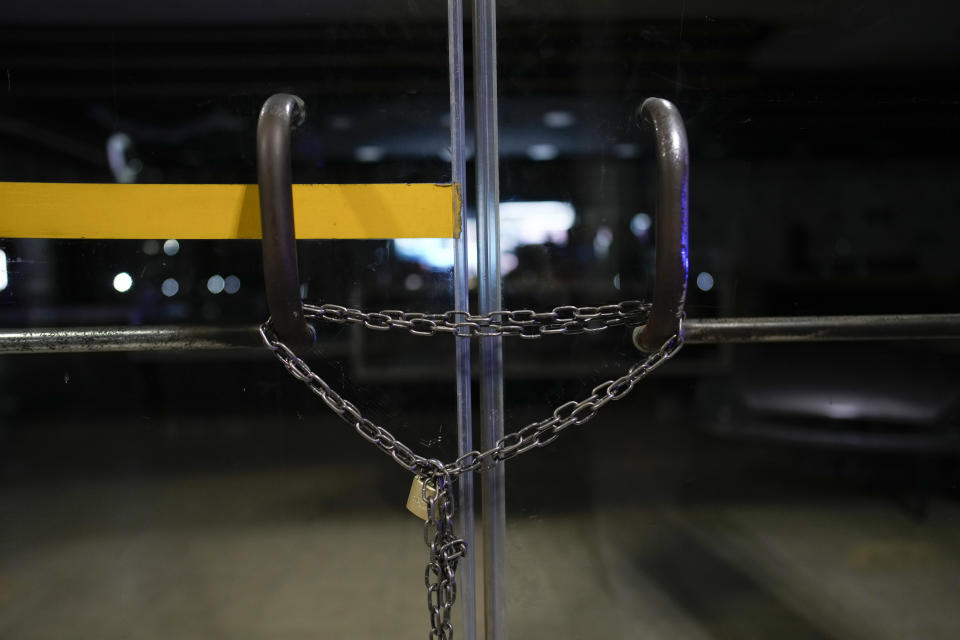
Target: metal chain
{"x": 525, "y": 323}
{"x": 446, "y": 549}
{"x": 535, "y": 434}
{"x": 440, "y": 575}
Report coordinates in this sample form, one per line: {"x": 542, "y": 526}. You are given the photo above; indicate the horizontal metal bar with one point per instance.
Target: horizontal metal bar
{"x": 703, "y": 331}
{"x": 822, "y": 328}
{"x": 103, "y": 339}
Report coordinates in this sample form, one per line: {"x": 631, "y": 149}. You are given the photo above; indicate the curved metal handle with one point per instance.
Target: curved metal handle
{"x": 670, "y": 286}
{"x": 281, "y": 113}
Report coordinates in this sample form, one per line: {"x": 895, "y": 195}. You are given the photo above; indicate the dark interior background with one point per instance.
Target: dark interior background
{"x": 823, "y": 181}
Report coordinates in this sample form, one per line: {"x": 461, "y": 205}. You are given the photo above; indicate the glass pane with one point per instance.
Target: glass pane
{"x": 795, "y": 491}
{"x": 200, "y": 494}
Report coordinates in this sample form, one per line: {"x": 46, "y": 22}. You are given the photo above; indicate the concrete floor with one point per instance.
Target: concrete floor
{"x": 287, "y": 554}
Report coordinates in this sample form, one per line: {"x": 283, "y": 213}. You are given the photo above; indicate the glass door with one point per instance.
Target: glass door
{"x": 743, "y": 491}
{"x": 201, "y": 491}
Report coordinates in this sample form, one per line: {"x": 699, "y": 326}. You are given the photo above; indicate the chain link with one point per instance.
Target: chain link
{"x": 524, "y": 323}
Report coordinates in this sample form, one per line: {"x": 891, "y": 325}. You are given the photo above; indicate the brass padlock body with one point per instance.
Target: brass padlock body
{"x": 415, "y": 502}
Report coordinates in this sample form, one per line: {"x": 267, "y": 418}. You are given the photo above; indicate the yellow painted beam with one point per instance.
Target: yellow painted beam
{"x": 224, "y": 211}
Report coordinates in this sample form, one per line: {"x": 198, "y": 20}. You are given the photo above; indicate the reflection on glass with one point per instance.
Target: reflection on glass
{"x": 523, "y": 224}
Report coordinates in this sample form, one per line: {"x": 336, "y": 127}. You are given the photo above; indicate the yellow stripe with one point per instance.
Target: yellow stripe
{"x": 224, "y": 211}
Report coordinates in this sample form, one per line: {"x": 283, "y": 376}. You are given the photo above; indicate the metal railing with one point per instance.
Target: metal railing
{"x": 942, "y": 326}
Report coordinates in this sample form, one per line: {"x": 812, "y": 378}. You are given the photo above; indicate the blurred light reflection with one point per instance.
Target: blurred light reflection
{"x": 369, "y": 153}
{"x": 558, "y": 119}
{"x": 231, "y": 284}
{"x": 170, "y": 287}
{"x": 413, "y": 282}
{"x": 602, "y": 241}
{"x": 215, "y": 284}
{"x": 543, "y": 151}
{"x": 704, "y": 281}
{"x": 640, "y": 224}
{"x": 122, "y": 282}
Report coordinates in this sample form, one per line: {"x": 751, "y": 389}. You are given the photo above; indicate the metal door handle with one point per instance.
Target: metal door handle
{"x": 281, "y": 113}
{"x": 672, "y": 262}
